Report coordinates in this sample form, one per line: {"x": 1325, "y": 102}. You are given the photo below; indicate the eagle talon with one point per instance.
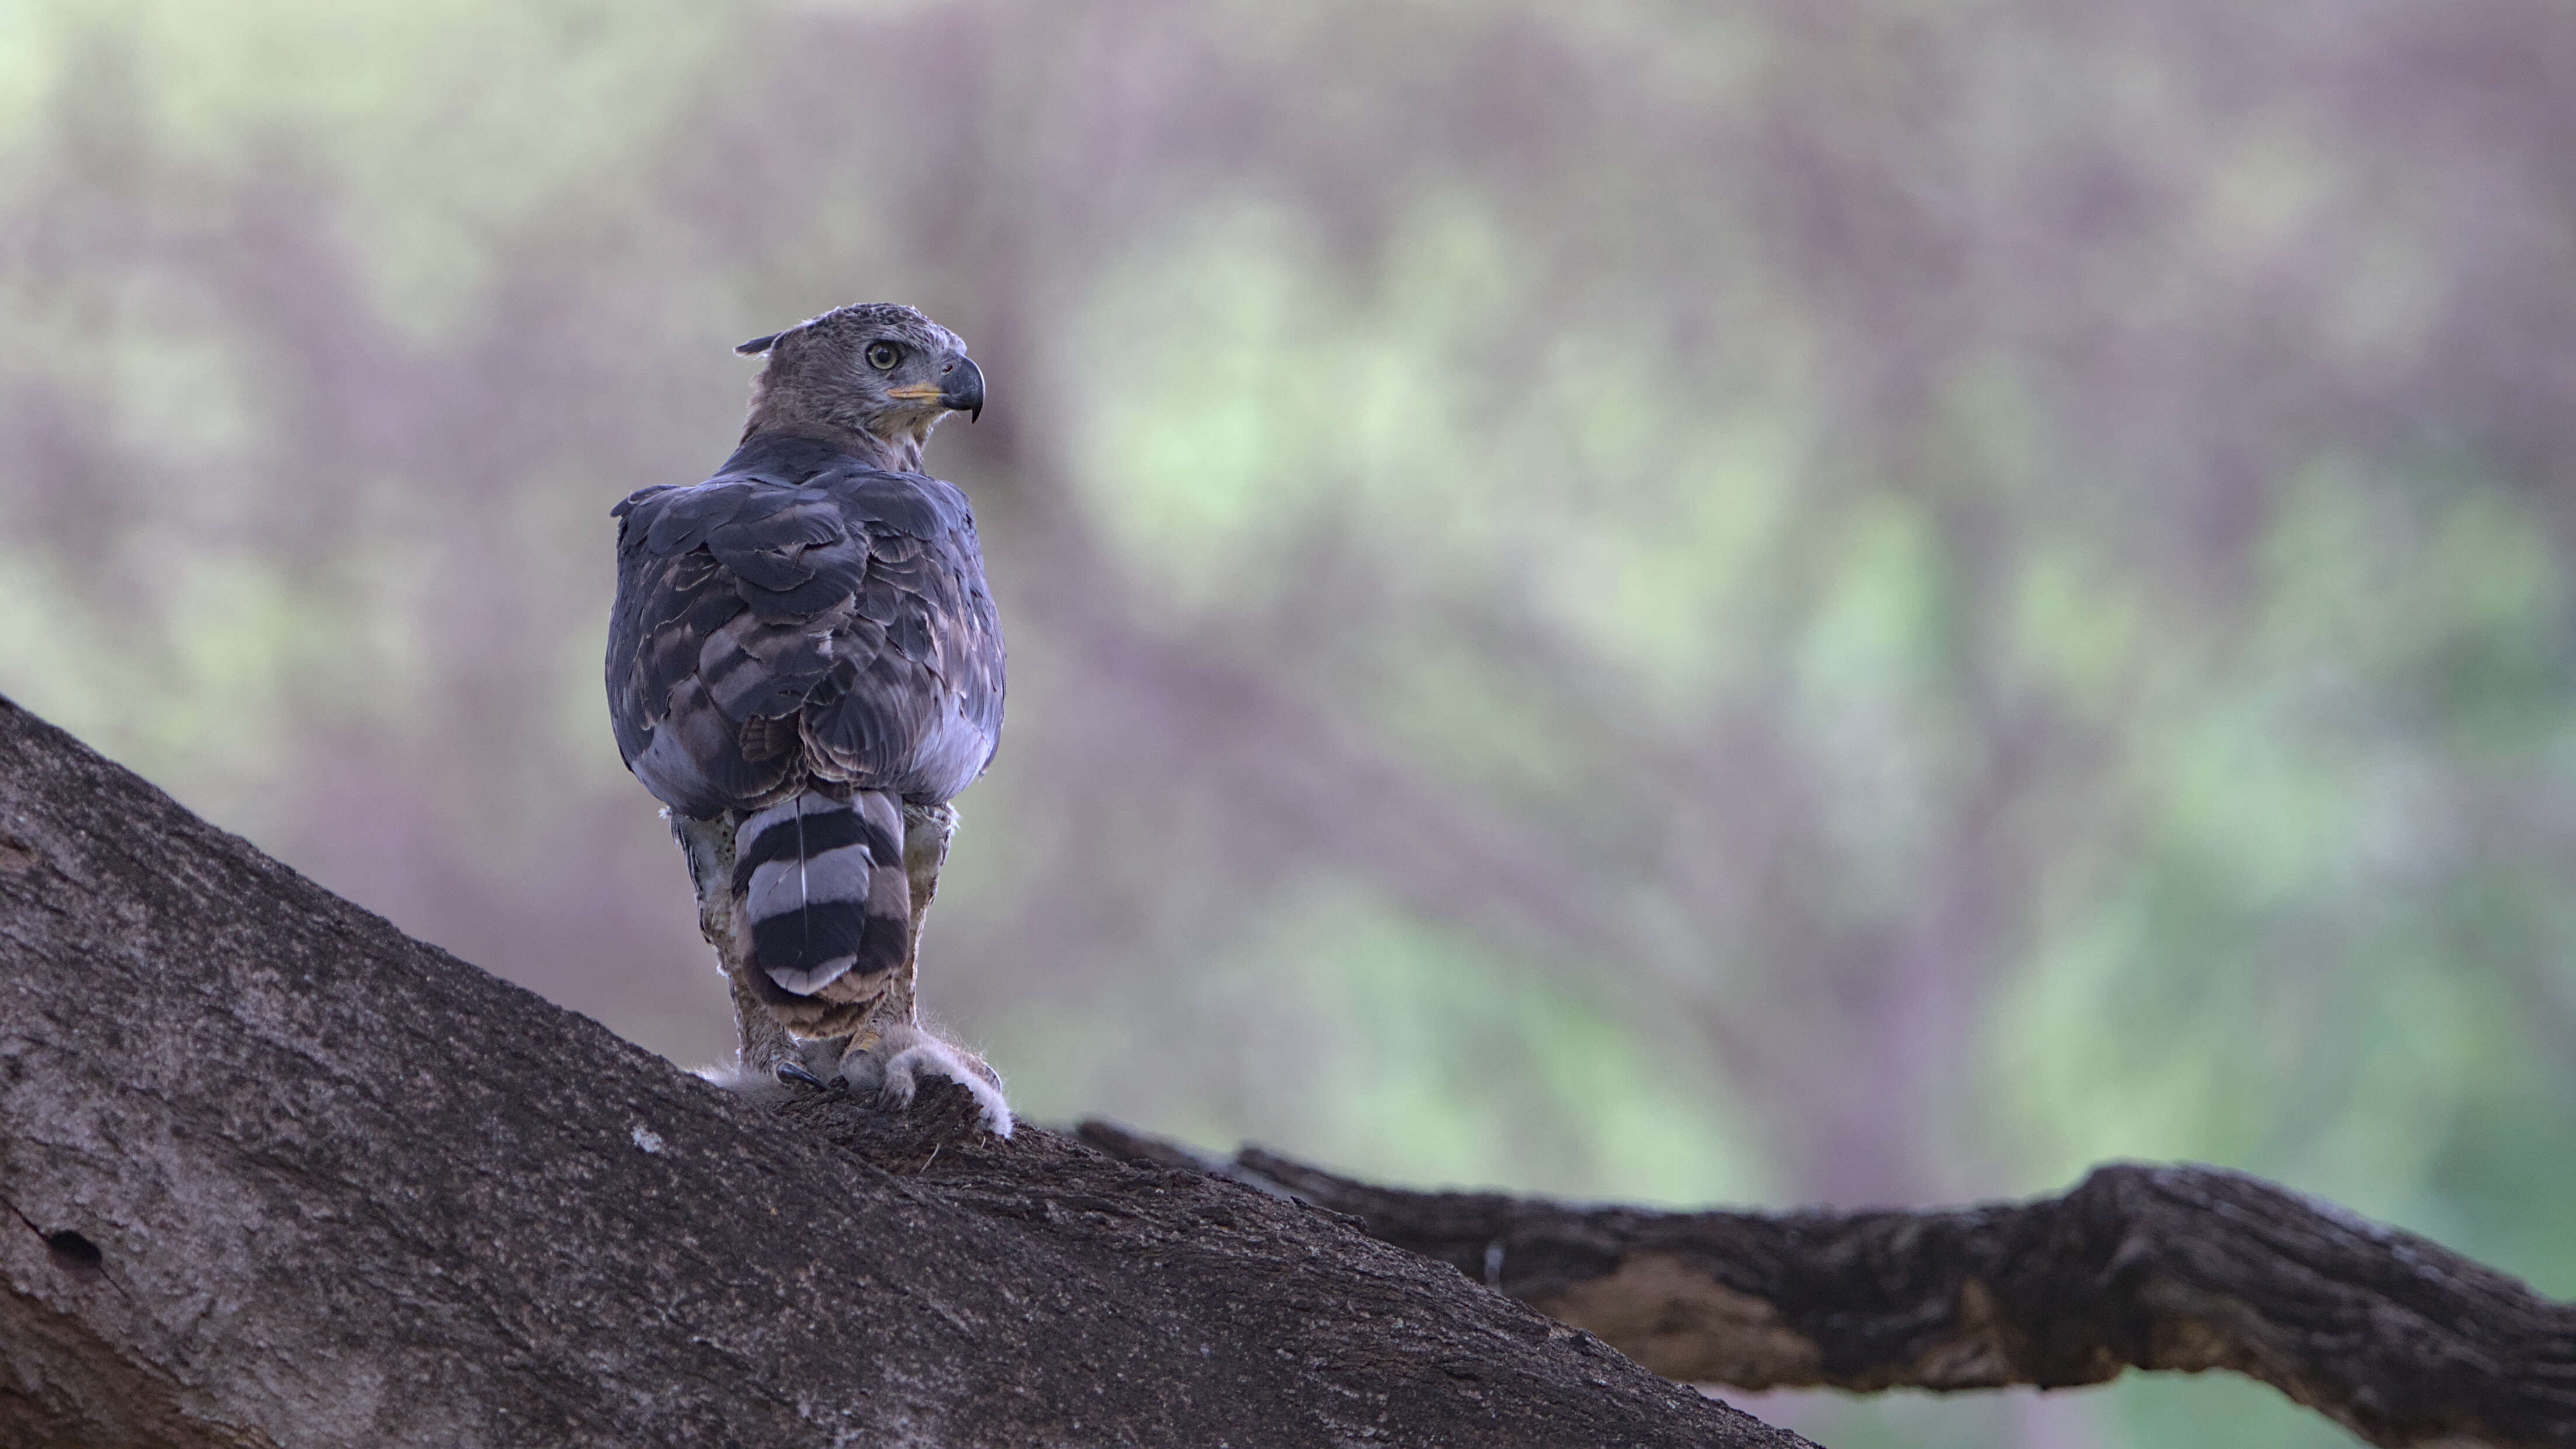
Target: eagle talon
{"x": 894, "y": 1065}
{"x": 793, "y": 1071}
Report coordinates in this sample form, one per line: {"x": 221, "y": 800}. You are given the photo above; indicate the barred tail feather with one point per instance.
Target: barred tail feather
{"x": 823, "y": 886}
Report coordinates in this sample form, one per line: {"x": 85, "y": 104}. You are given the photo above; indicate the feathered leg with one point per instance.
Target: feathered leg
{"x": 927, "y": 829}
{"x": 762, "y": 1046}
{"x": 892, "y": 1051}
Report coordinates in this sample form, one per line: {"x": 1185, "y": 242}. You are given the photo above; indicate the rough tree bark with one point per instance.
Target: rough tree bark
{"x": 2187, "y": 1268}
{"x": 272, "y": 1173}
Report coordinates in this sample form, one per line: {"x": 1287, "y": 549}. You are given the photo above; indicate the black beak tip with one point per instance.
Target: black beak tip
{"x": 965, "y": 392}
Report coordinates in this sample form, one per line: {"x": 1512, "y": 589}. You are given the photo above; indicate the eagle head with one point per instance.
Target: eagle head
{"x": 877, "y": 371}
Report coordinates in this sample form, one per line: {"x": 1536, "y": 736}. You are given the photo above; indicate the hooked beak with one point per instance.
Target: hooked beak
{"x": 962, "y": 389}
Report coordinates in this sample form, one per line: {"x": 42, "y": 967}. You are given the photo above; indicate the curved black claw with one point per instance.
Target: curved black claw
{"x": 792, "y": 1071}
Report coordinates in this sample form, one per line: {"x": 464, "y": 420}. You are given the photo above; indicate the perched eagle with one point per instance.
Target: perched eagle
{"x": 804, "y": 665}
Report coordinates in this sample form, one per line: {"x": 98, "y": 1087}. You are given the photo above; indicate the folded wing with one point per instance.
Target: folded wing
{"x": 801, "y": 620}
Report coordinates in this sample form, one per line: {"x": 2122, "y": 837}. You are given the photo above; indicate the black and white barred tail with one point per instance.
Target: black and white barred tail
{"x": 824, "y": 893}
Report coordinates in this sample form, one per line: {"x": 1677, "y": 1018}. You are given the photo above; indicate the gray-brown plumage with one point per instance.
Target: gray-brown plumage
{"x": 805, "y": 666}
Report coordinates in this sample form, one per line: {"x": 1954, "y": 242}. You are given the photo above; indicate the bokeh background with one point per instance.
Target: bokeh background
{"x": 1838, "y": 600}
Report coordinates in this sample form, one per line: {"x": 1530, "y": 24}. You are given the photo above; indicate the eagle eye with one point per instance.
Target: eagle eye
{"x": 884, "y": 355}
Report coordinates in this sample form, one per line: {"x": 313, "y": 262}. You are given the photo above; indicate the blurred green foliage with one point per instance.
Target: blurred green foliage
{"x": 1848, "y": 601}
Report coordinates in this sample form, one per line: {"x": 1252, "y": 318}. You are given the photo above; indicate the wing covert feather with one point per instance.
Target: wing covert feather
{"x": 800, "y": 586}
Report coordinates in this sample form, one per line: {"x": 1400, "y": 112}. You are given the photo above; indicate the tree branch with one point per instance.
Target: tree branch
{"x": 272, "y": 1173}
{"x": 2184, "y": 1268}
{"x": 275, "y": 1174}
